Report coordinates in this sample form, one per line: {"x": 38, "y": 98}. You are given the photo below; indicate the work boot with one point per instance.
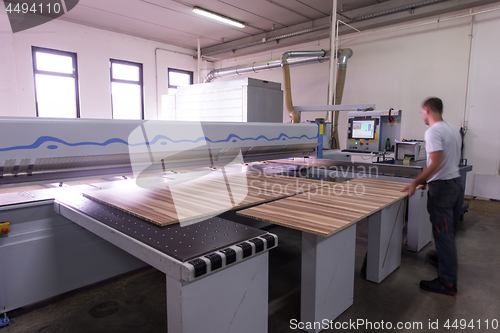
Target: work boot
{"x": 436, "y": 286}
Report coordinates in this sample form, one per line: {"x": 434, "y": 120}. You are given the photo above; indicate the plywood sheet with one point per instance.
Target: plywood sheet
{"x": 332, "y": 208}
{"x": 201, "y": 197}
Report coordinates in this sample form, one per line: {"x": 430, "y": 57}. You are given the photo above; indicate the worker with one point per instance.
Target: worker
{"x": 445, "y": 195}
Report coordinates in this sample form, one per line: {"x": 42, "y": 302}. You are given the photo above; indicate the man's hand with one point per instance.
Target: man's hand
{"x": 435, "y": 165}
{"x": 410, "y": 189}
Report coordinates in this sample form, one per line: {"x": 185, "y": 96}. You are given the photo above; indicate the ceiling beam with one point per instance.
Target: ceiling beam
{"x": 438, "y": 8}
{"x": 228, "y": 47}
{"x": 386, "y": 6}
{"x": 261, "y": 43}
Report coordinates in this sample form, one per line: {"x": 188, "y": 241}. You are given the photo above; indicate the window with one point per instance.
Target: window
{"x": 56, "y": 83}
{"x": 127, "y": 98}
{"x": 178, "y": 78}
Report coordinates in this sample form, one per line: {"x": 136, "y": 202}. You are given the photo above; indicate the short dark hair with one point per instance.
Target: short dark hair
{"x": 435, "y": 104}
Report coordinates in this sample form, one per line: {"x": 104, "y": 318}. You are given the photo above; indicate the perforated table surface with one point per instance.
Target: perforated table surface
{"x": 181, "y": 243}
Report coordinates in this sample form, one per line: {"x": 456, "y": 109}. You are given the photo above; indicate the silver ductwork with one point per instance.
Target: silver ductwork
{"x": 344, "y": 55}
{"x": 285, "y": 57}
{"x": 256, "y": 67}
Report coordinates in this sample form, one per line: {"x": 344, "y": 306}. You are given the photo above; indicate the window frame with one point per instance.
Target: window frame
{"x": 140, "y": 83}
{"x": 74, "y": 58}
{"x": 180, "y": 71}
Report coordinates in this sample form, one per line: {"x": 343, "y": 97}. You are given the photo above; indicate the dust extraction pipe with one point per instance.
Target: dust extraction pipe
{"x": 345, "y": 54}
{"x": 286, "y": 78}
{"x": 261, "y": 66}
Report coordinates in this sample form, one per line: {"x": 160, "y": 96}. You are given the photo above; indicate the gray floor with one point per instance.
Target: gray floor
{"x": 135, "y": 302}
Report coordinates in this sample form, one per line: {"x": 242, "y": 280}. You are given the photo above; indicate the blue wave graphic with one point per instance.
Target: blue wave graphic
{"x": 50, "y": 139}
{"x": 43, "y": 139}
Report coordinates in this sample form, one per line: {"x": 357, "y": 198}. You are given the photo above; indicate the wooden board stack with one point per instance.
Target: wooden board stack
{"x": 332, "y": 208}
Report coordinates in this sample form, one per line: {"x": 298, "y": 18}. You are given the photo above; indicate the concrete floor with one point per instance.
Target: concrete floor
{"x": 135, "y": 302}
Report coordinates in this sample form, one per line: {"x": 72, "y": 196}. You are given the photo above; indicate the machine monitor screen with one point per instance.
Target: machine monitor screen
{"x": 363, "y": 129}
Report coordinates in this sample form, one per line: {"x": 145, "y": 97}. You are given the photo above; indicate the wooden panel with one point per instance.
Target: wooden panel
{"x": 202, "y": 197}
{"x": 332, "y": 208}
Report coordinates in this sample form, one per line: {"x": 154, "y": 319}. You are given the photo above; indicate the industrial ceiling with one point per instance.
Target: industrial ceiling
{"x": 268, "y": 22}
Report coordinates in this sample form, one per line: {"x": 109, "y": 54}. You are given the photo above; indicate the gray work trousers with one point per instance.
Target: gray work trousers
{"x": 444, "y": 204}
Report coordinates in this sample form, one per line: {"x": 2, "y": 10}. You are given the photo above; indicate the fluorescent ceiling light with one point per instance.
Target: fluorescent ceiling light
{"x": 217, "y": 17}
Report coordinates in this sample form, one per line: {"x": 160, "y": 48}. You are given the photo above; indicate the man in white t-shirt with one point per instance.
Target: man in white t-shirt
{"x": 445, "y": 195}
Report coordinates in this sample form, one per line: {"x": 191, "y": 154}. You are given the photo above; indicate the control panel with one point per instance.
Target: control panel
{"x": 372, "y": 131}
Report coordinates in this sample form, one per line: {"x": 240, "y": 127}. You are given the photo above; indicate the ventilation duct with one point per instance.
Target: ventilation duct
{"x": 285, "y": 59}
{"x": 263, "y": 66}
{"x": 345, "y": 54}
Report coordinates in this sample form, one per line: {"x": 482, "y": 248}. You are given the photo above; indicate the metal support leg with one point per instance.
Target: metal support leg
{"x": 327, "y": 275}
{"x": 419, "y": 224}
{"x": 4, "y": 320}
{"x": 234, "y": 300}
{"x": 385, "y": 237}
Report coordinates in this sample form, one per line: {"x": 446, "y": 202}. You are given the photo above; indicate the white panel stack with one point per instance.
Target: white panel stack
{"x": 241, "y": 100}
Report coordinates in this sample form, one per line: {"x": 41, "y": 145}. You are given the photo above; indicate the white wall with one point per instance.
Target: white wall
{"x": 8, "y": 80}
{"x": 482, "y": 144}
{"x": 402, "y": 68}
{"x": 94, "y": 48}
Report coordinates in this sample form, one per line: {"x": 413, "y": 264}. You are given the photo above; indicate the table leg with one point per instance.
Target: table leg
{"x": 419, "y": 224}
{"x": 327, "y": 275}
{"x": 385, "y": 237}
{"x": 233, "y": 300}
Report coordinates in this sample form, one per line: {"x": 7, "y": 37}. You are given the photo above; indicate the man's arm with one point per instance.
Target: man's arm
{"x": 436, "y": 164}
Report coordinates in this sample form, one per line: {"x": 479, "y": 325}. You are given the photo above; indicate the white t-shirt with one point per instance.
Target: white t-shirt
{"x": 445, "y": 137}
